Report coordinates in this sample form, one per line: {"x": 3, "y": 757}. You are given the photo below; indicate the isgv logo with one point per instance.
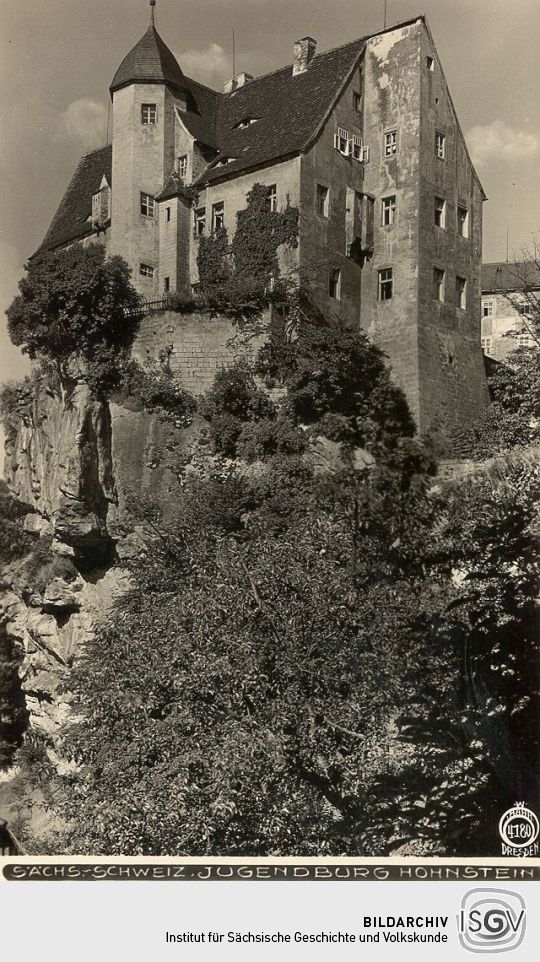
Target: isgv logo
{"x": 491, "y": 920}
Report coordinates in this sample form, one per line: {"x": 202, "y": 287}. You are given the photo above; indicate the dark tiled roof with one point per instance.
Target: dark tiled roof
{"x": 509, "y": 277}
{"x": 71, "y": 219}
{"x": 289, "y": 110}
{"x": 150, "y": 61}
{"x": 201, "y": 116}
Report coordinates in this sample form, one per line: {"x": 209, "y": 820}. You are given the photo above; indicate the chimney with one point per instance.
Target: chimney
{"x": 229, "y": 86}
{"x": 243, "y": 79}
{"x": 304, "y": 51}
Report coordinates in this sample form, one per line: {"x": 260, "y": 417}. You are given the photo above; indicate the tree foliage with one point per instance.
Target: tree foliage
{"x": 74, "y": 303}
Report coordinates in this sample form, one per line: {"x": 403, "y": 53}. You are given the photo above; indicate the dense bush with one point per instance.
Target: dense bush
{"x": 233, "y": 401}
{"x": 13, "y": 715}
{"x": 157, "y": 389}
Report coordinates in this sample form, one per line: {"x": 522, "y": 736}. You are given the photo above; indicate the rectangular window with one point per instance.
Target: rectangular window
{"x": 167, "y": 284}
{"x": 146, "y": 270}
{"x": 388, "y": 210}
{"x": 486, "y": 345}
{"x": 148, "y": 113}
{"x": 147, "y": 205}
{"x": 429, "y": 63}
{"x": 487, "y": 309}
{"x": 440, "y": 212}
{"x": 200, "y": 221}
{"x": 334, "y": 284}
{"x": 390, "y": 143}
{"x": 182, "y": 166}
{"x": 357, "y": 101}
{"x": 218, "y": 216}
{"x": 322, "y": 200}
{"x": 386, "y": 284}
{"x": 463, "y": 221}
{"x": 167, "y": 214}
{"x": 440, "y": 145}
{"x": 461, "y": 293}
{"x": 438, "y": 284}
{"x": 272, "y": 197}
{"x": 341, "y": 141}
{"x": 356, "y": 147}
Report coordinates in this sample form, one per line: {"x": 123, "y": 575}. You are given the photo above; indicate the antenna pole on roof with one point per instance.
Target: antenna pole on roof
{"x": 233, "y": 55}
{"x": 385, "y": 2}
{"x": 152, "y": 15}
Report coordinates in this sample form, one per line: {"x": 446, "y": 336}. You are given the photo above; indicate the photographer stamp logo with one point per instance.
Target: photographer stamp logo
{"x": 491, "y": 920}
{"x": 519, "y": 829}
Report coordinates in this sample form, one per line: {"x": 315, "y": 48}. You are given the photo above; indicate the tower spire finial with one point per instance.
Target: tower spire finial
{"x": 152, "y": 17}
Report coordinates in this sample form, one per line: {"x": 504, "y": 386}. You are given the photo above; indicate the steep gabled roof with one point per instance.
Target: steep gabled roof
{"x": 150, "y": 61}
{"x": 71, "y": 219}
{"x": 502, "y": 277}
{"x": 288, "y": 111}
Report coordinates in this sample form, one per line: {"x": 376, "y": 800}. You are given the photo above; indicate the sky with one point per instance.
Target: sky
{"x": 57, "y": 59}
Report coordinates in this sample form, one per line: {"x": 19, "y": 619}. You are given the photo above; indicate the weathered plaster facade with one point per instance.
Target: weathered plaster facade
{"x": 365, "y": 142}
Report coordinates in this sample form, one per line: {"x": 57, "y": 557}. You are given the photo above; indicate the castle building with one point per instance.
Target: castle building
{"x": 510, "y": 295}
{"x": 363, "y": 139}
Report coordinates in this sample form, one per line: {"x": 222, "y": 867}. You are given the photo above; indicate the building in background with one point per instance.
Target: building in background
{"x": 509, "y": 294}
{"x": 363, "y": 140}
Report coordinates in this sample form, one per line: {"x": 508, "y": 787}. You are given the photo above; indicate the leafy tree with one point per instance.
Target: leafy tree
{"x": 75, "y": 303}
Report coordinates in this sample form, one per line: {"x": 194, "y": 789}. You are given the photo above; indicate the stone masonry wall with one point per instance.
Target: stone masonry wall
{"x": 198, "y": 345}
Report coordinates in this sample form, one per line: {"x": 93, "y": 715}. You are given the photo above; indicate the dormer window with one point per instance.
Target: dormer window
{"x": 101, "y": 205}
{"x": 224, "y": 161}
{"x": 148, "y": 114}
{"x": 183, "y": 166}
{"x": 246, "y": 122}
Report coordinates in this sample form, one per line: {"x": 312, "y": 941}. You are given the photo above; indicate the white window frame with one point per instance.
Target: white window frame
{"x": 461, "y": 293}
{"x": 199, "y": 228}
{"x": 218, "y": 213}
{"x": 342, "y": 141}
{"x": 272, "y": 198}
{"x": 147, "y": 204}
{"x": 149, "y": 115}
{"x": 462, "y": 223}
{"x": 334, "y": 284}
{"x": 390, "y": 143}
{"x": 388, "y": 210}
{"x": 440, "y": 145}
{"x": 356, "y": 147}
{"x": 439, "y": 284}
{"x": 325, "y": 199}
{"x": 183, "y": 166}
{"x": 488, "y": 308}
{"x": 486, "y": 344}
{"x": 439, "y": 209}
{"x": 146, "y": 270}
{"x": 385, "y": 282}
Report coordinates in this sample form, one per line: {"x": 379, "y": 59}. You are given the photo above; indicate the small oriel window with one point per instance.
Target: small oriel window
{"x": 272, "y": 197}
{"x": 440, "y": 145}
{"x": 390, "y": 143}
{"x": 438, "y": 284}
{"x": 440, "y": 212}
{"x": 461, "y": 293}
{"x": 146, "y": 270}
{"x": 218, "y": 216}
{"x": 148, "y": 113}
{"x": 386, "y": 284}
{"x": 200, "y": 221}
{"x": 334, "y": 284}
{"x": 388, "y": 210}
{"x": 463, "y": 221}
{"x": 182, "y": 166}
{"x": 147, "y": 205}
{"x": 322, "y": 200}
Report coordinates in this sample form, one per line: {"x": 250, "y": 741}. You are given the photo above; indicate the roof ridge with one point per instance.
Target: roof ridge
{"x": 95, "y": 150}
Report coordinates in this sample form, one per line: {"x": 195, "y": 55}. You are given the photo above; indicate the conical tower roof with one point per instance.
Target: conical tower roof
{"x": 150, "y": 61}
